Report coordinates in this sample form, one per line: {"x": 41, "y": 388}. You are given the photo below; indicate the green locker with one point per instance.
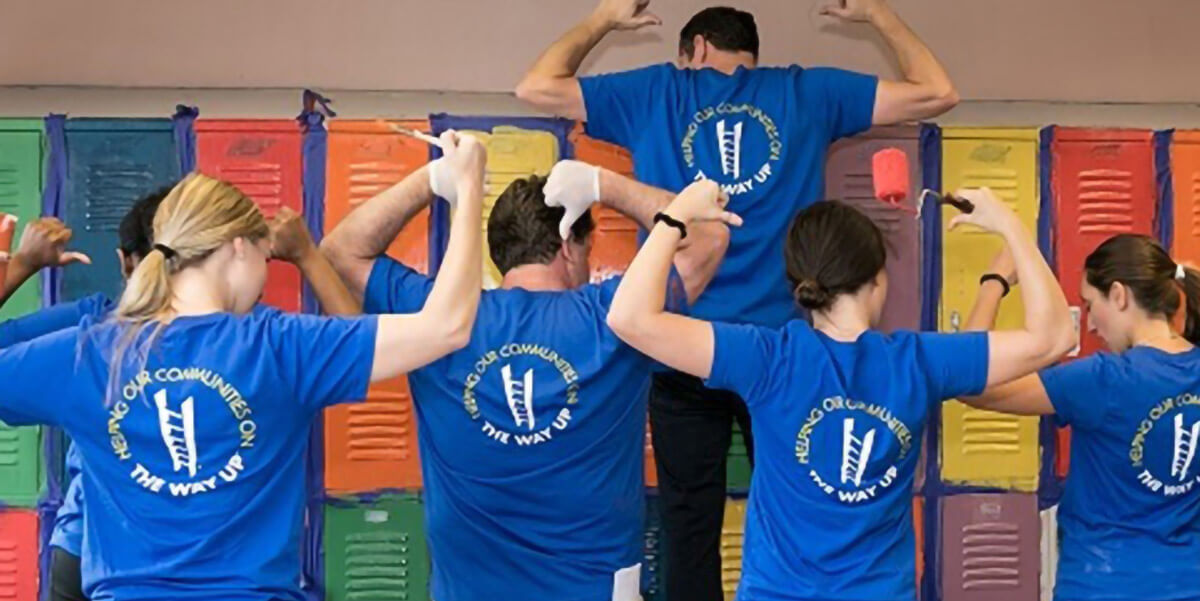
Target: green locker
{"x": 737, "y": 465}
{"x": 376, "y": 551}
{"x": 21, "y": 474}
{"x": 21, "y": 195}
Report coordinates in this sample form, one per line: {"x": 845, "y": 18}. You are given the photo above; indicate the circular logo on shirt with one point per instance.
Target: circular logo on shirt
{"x": 520, "y": 371}
{"x": 852, "y": 449}
{"x": 735, "y": 145}
{"x": 1163, "y": 449}
{"x": 174, "y": 467}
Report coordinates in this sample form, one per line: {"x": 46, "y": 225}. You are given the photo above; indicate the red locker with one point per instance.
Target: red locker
{"x": 263, "y": 159}
{"x": 18, "y": 555}
{"x": 919, "y": 531}
{"x": 1103, "y": 183}
{"x": 373, "y": 445}
{"x": 990, "y": 547}
{"x": 615, "y": 241}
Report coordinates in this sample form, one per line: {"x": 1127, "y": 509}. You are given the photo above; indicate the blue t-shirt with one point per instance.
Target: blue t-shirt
{"x": 531, "y": 442}
{"x": 1130, "y": 514}
{"x": 194, "y": 479}
{"x": 837, "y": 436}
{"x": 761, "y": 133}
{"x": 68, "y": 522}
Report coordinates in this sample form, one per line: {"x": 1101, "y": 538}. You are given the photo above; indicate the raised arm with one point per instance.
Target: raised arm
{"x": 43, "y": 244}
{"x": 443, "y": 325}
{"x": 575, "y": 186}
{"x": 637, "y": 313}
{"x": 926, "y": 90}
{"x": 551, "y": 84}
{"x": 1048, "y": 333}
{"x": 292, "y": 242}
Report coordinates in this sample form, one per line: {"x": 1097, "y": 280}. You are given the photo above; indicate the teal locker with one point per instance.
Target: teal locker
{"x": 21, "y": 195}
{"x": 376, "y": 550}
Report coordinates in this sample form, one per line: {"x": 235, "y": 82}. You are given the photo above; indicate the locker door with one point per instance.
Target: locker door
{"x": 18, "y": 555}
{"x": 733, "y": 535}
{"x": 653, "y": 563}
{"x": 376, "y": 550}
{"x": 990, "y": 547}
{"x": 21, "y": 473}
{"x": 1185, "y": 171}
{"x": 919, "y": 535}
{"x": 615, "y": 242}
{"x": 111, "y": 164}
{"x": 848, "y": 178}
{"x": 263, "y": 159}
{"x": 737, "y": 464}
{"x": 20, "y": 195}
{"x": 1049, "y": 552}
{"x": 981, "y": 447}
{"x": 373, "y": 445}
{"x": 1103, "y": 186}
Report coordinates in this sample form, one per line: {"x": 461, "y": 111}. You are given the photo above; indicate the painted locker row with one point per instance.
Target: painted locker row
{"x": 21, "y": 158}
{"x": 263, "y": 159}
{"x": 989, "y": 547}
{"x": 21, "y": 164}
{"x": 18, "y": 555}
{"x": 981, "y": 447}
{"x": 110, "y": 164}
{"x": 373, "y": 445}
{"x": 848, "y": 178}
{"x": 376, "y": 550}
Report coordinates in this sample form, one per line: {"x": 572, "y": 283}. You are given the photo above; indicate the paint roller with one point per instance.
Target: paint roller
{"x": 8, "y": 225}
{"x": 889, "y": 169}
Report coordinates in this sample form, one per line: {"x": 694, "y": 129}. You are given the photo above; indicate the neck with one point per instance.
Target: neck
{"x": 1156, "y": 333}
{"x": 538, "y": 278}
{"x": 195, "y": 294}
{"x": 729, "y": 63}
{"x": 845, "y": 321}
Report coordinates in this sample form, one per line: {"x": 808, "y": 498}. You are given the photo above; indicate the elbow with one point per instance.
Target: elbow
{"x": 623, "y": 323}
{"x": 458, "y": 333}
{"x": 946, "y": 98}
{"x": 1065, "y": 340}
{"x": 530, "y": 90}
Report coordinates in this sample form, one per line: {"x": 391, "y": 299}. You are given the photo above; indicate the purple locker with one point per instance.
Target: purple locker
{"x": 848, "y": 179}
{"x": 990, "y": 548}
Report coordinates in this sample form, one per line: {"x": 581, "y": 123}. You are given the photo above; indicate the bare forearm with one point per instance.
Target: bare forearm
{"x": 455, "y": 294}
{"x": 563, "y": 58}
{"x": 642, "y": 294}
{"x": 18, "y": 272}
{"x": 331, "y": 291}
{"x": 1046, "y": 310}
{"x": 917, "y": 61}
{"x": 633, "y": 199}
{"x": 987, "y": 305}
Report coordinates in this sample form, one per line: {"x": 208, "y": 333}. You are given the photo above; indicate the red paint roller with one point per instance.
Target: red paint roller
{"x": 889, "y": 168}
{"x": 8, "y": 225}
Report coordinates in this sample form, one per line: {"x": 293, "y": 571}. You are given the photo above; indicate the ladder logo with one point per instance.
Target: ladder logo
{"x": 856, "y": 452}
{"x": 1185, "y": 448}
{"x": 730, "y": 142}
{"x": 519, "y": 394}
{"x": 178, "y": 430}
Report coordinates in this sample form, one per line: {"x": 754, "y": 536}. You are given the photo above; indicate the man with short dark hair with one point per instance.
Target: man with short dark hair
{"x": 760, "y": 132}
{"x": 531, "y": 437}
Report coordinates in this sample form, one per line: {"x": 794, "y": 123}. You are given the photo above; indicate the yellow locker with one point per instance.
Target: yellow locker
{"x": 513, "y": 153}
{"x": 981, "y": 447}
{"x": 733, "y": 533}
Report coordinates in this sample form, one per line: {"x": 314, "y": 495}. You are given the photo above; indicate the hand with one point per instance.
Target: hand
{"x": 574, "y": 186}
{"x": 464, "y": 159}
{"x": 627, "y": 14}
{"x": 290, "y": 238}
{"x": 702, "y": 201}
{"x": 859, "y": 11}
{"x": 43, "y": 244}
{"x": 1003, "y": 266}
{"x": 990, "y": 212}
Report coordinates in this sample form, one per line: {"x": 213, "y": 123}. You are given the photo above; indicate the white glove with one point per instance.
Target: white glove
{"x": 443, "y": 181}
{"x": 574, "y": 186}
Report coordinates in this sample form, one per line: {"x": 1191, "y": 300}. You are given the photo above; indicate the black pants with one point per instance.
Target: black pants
{"x": 65, "y": 579}
{"x": 691, "y": 427}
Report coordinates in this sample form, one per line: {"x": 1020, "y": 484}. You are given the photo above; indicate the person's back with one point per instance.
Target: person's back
{"x": 1130, "y": 514}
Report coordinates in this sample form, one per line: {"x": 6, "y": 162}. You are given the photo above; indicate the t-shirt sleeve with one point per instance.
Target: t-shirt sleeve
{"x": 676, "y": 299}
{"x": 745, "y": 359}
{"x": 395, "y": 288}
{"x": 618, "y": 104}
{"x": 955, "y": 364}
{"x": 24, "y": 367}
{"x": 52, "y": 319}
{"x": 1071, "y": 388}
{"x": 330, "y": 357}
{"x": 844, "y": 100}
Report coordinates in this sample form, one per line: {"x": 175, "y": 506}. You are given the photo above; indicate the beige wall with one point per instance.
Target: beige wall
{"x": 1063, "y": 50}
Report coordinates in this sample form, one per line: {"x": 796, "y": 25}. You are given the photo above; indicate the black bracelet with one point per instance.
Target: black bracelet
{"x": 673, "y": 222}
{"x": 996, "y": 277}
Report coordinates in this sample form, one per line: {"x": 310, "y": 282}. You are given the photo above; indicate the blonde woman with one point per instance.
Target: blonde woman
{"x": 194, "y": 462}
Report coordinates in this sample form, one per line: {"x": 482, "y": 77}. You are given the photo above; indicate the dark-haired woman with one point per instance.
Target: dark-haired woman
{"x": 1130, "y": 515}
{"x": 838, "y": 408}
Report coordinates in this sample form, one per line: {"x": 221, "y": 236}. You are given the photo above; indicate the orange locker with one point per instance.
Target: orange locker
{"x": 615, "y": 242}
{"x": 263, "y": 159}
{"x": 1103, "y": 184}
{"x": 373, "y": 445}
{"x": 18, "y": 555}
{"x": 1185, "y": 172}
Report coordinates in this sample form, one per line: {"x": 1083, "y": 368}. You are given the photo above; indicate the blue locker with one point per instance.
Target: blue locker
{"x": 111, "y": 163}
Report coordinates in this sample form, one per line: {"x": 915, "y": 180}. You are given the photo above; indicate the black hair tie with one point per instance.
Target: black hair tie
{"x": 167, "y": 251}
